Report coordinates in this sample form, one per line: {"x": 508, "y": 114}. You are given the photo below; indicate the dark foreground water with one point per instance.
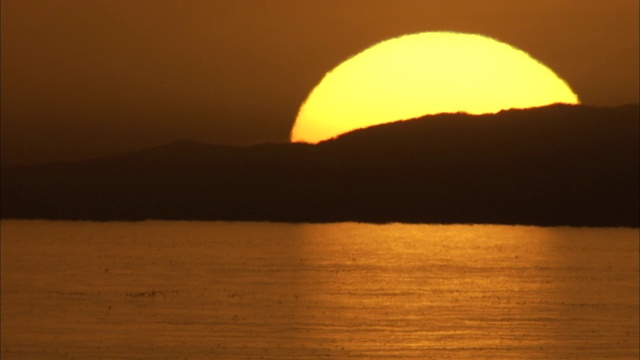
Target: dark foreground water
{"x": 221, "y": 290}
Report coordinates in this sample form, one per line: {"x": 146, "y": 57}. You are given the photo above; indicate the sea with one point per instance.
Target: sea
{"x": 259, "y": 290}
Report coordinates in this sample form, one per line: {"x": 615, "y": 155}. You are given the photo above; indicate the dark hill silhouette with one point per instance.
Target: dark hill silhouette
{"x": 556, "y": 165}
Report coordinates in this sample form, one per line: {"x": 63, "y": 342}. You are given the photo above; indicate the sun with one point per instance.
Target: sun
{"x": 426, "y": 73}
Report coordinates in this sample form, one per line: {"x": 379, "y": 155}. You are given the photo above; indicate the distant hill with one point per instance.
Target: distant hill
{"x": 555, "y": 165}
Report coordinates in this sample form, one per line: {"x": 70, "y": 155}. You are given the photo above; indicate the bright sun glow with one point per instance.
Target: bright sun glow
{"x": 426, "y": 73}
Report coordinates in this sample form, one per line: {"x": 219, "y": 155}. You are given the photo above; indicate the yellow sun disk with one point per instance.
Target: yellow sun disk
{"x": 422, "y": 74}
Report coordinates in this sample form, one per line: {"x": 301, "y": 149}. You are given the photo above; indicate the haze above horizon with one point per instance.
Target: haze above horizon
{"x": 86, "y": 79}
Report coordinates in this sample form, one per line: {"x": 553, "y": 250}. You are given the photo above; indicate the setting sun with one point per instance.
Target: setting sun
{"x": 426, "y": 73}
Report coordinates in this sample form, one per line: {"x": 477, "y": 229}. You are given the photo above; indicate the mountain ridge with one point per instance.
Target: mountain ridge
{"x": 556, "y": 165}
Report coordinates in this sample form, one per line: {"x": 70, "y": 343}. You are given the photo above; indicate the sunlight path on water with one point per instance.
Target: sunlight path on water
{"x": 153, "y": 290}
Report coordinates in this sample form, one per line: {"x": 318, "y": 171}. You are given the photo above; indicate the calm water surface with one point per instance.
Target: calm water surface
{"x": 224, "y": 290}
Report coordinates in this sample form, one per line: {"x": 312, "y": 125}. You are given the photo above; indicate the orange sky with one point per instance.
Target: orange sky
{"x": 82, "y": 79}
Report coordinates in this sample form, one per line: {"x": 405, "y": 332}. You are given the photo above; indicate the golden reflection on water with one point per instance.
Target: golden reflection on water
{"x": 263, "y": 290}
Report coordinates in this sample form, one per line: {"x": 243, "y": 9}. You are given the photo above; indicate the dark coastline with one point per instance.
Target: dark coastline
{"x": 550, "y": 166}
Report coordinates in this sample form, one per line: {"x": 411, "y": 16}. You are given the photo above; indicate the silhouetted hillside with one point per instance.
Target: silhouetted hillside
{"x": 556, "y": 165}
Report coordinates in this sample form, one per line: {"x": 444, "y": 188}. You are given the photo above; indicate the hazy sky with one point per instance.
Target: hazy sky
{"x": 86, "y": 78}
